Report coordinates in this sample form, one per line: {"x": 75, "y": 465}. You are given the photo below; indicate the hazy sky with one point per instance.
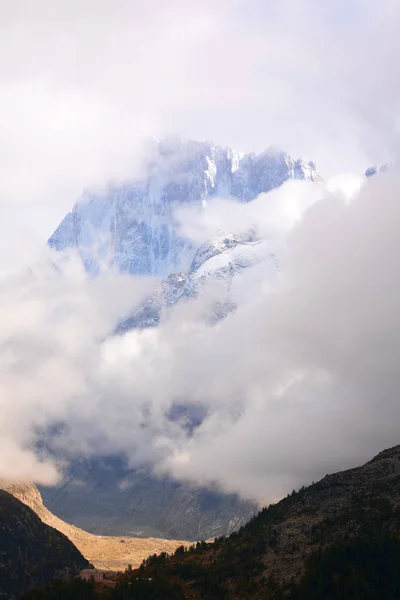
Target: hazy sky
{"x": 82, "y": 81}
{"x": 303, "y": 378}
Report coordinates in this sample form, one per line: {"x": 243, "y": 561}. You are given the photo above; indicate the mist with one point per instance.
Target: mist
{"x": 299, "y": 381}
{"x": 302, "y": 378}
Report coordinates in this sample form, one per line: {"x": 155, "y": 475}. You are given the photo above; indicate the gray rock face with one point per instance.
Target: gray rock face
{"x": 338, "y": 538}
{"x": 104, "y": 497}
{"x": 132, "y": 226}
{"x": 170, "y": 291}
{"x": 219, "y": 260}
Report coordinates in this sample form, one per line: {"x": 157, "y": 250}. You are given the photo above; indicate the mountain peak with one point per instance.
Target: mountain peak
{"x": 133, "y": 226}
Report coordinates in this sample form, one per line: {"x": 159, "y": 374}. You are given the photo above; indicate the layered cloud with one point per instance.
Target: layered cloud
{"x": 302, "y": 379}
{"x": 52, "y": 324}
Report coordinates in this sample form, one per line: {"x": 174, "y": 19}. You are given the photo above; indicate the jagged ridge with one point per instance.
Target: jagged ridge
{"x": 104, "y": 552}
{"x": 132, "y": 227}
{"x": 338, "y": 538}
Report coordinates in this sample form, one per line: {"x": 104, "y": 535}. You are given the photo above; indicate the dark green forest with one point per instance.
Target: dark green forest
{"x": 364, "y": 569}
{"x": 338, "y": 539}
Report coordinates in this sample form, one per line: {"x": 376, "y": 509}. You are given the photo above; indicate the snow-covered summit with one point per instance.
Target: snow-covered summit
{"x": 132, "y": 227}
{"x": 217, "y": 246}
{"x": 221, "y": 260}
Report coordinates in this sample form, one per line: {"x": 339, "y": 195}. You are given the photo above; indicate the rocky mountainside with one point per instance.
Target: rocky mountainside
{"x": 133, "y": 227}
{"x": 31, "y": 553}
{"x": 221, "y": 260}
{"x": 338, "y": 539}
{"x": 103, "y": 496}
{"x": 103, "y": 552}
{"x": 276, "y": 553}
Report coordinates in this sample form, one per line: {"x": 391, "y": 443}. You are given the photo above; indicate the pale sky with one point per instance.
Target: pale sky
{"x": 83, "y": 81}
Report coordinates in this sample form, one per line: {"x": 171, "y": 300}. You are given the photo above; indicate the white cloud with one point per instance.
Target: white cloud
{"x": 303, "y": 377}
{"x": 304, "y": 380}
{"x": 270, "y": 215}
{"x": 81, "y": 82}
{"x": 52, "y": 323}
{"x": 301, "y": 380}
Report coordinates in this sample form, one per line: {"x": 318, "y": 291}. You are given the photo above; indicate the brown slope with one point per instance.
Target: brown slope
{"x": 114, "y": 553}
{"x": 271, "y": 552}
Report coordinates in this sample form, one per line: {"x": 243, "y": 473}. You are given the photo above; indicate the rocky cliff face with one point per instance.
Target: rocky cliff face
{"x": 133, "y": 227}
{"x": 103, "y": 552}
{"x": 31, "y": 553}
{"x": 338, "y": 538}
{"x": 221, "y": 260}
{"x": 103, "y": 496}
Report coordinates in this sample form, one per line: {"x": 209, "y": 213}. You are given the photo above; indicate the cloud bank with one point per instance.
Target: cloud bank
{"x": 53, "y": 321}
{"x": 302, "y": 379}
